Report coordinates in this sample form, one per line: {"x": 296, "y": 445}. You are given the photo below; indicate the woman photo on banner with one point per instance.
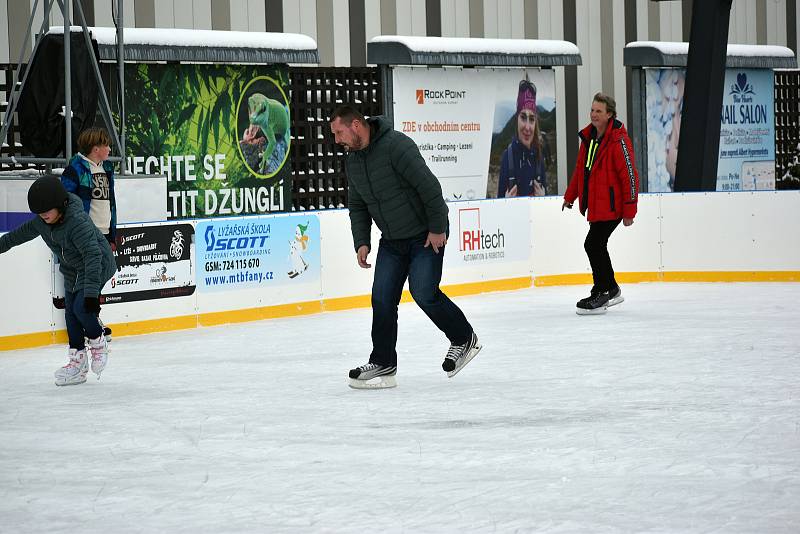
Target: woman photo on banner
{"x": 522, "y": 165}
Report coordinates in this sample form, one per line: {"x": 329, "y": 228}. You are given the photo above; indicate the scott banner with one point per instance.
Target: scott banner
{"x": 220, "y": 133}
{"x": 485, "y": 133}
{"x": 258, "y": 252}
{"x": 747, "y": 129}
{"x": 152, "y": 262}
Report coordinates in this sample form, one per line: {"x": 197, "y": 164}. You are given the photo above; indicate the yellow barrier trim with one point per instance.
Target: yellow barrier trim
{"x": 38, "y": 339}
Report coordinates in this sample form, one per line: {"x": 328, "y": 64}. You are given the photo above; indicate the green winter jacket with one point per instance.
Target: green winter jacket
{"x": 84, "y": 255}
{"x": 389, "y": 182}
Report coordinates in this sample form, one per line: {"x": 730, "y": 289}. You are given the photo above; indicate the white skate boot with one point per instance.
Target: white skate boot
{"x": 99, "y": 349}
{"x": 75, "y": 371}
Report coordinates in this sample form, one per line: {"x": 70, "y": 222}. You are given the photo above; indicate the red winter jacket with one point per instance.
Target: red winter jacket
{"x": 613, "y": 181}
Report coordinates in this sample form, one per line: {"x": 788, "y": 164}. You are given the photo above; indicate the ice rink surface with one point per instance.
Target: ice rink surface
{"x": 678, "y": 411}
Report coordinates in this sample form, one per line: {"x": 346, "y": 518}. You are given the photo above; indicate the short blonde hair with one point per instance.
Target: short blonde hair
{"x": 608, "y": 100}
{"x": 92, "y": 137}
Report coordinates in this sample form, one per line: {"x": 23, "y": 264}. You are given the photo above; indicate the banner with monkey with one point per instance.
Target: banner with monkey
{"x": 220, "y": 133}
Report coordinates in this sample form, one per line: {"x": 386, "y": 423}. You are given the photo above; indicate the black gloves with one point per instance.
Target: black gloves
{"x": 91, "y": 305}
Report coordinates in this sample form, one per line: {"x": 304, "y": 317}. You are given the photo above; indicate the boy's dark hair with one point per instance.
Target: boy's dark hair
{"x": 347, "y": 114}
{"x": 92, "y": 137}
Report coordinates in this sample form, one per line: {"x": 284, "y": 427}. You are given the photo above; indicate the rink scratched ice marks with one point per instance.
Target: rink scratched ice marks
{"x": 678, "y": 411}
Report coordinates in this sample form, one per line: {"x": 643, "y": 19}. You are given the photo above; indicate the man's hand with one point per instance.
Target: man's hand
{"x": 361, "y": 255}
{"x": 512, "y": 192}
{"x": 538, "y": 189}
{"x": 627, "y": 221}
{"x": 437, "y": 241}
{"x": 567, "y": 205}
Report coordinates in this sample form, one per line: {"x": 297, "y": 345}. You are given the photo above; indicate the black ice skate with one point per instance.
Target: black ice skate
{"x": 373, "y": 376}
{"x": 596, "y": 305}
{"x": 615, "y": 298}
{"x": 460, "y": 355}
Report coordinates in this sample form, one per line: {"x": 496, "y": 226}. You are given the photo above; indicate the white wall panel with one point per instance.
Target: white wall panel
{"x": 240, "y": 18}
{"x": 201, "y": 13}
{"x": 490, "y": 20}
{"x": 256, "y": 16}
{"x": 5, "y": 49}
{"x": 673, "y": 232}
{"x": 742, "y": 25}
{"x": 183, "y": 13}
{"x": 102, "y": 13}
{"x": 300, "y": 16}
{"x": 27, "y": 280}
{"x": 776, "y": 22}
{"x": 731, "y": 231}
{"x": 620, "y": 89}
{"x": 642, "y": 21}
{"x": 372, "y": 19}
{"x": 455, "y": 18}
{"x": 670, "y": 17}
{"x": 517, "y": 19}
{"x": 341, "y": 33}
{"x": 165, "y": 14}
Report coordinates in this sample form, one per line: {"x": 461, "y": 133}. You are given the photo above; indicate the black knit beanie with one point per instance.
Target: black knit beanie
{"x": 47, "y": 193}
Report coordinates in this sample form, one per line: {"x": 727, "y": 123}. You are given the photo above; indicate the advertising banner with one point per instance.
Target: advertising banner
{"x": 221, "y": 135}
{"x": 484, "y": 233}
{"x": 258, "y": 252}
{"x": 152, "y": 262}
{"x": 747, "y": 129}
{"x": 484, "y": 133}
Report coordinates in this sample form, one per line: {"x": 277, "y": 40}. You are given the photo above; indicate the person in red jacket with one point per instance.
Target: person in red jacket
{"x": 606, "y": 184}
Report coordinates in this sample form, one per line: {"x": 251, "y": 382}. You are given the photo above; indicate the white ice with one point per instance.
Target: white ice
{"x": 678, "y": 411}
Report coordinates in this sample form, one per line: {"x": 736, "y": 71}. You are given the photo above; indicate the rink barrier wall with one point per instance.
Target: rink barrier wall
{"x": 677, "y": 237}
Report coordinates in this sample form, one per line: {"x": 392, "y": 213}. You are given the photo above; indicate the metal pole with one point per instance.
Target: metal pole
{"x": 67, "y": 81}
{"x": 121, "y": 71}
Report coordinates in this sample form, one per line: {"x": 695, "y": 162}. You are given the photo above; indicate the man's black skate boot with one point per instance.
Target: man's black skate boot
{"x": 592, "y": 294}
{"x": 460, "y": 355}
{"x": 615, "y": 297}
{"x": 373, "y": 376}
{"x": 596, "y": 305}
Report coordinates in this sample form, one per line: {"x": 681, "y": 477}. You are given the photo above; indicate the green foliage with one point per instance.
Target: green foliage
{"x": 190, "y": 109}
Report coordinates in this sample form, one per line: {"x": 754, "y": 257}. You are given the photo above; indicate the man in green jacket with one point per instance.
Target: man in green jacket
{"x": 389, "y": 183}
{"x": 85, "y": 260}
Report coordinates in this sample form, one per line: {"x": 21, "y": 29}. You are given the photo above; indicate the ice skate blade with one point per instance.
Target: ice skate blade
{"x": 71, "y": 383}
{"x": 614, "y": 302}
{"x": 379, "y": 382}
{"x": 596, "y": 311}
{"x": 472, "y": 353}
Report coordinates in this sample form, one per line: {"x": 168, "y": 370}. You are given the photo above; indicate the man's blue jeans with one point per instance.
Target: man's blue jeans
{"x": 80, "y": 323}
{"x": 398, "y": 260}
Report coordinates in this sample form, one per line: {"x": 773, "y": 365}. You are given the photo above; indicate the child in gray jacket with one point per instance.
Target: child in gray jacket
{"x": 85, "y": 260}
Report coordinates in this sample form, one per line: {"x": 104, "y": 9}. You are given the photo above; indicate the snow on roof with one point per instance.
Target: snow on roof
{"x": 743, "y": 50}
{"x": 480, "y": 45}
{"x": 198, "y": 38}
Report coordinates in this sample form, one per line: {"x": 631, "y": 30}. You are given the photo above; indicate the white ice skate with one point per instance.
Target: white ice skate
{"x": 99, "y": 349}
{"x": 373, "y": 376}
{"x": 460, "y": 355}
{"x": 75, "y": 371}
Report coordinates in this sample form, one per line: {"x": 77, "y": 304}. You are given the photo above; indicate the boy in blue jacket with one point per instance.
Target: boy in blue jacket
{"x": 90, "y": 175}
{"x": 85, "y": 260}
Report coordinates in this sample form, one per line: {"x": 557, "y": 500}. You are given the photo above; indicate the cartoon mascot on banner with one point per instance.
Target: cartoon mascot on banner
{"x": 297, "y": 247}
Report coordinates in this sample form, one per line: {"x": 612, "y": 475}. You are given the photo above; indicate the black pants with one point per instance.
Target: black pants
{"x": 596, "y": 246}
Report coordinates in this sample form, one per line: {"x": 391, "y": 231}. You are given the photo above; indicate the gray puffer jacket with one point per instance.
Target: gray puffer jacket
{"x": 85, "y": 257}
{"x": 389, "y": 182}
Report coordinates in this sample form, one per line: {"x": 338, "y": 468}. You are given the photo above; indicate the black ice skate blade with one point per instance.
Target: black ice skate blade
{"x": 379, "y": 382}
